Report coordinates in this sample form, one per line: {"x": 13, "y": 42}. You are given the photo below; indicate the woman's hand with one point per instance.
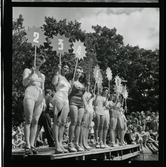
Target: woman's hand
{"x": 59, "y": 67}
{"x": 72, "y": 82}
{"x": 86, "y": 109}
{"x": 94, "y": 114}
{"x": 44, "y": 105}
{"x": 108, "y": 96}
{"x": 33, "y": 69}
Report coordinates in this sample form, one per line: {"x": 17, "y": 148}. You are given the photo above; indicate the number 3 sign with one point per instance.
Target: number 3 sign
{"x": 36, "y": 36}
{"x": 60, "y": 43}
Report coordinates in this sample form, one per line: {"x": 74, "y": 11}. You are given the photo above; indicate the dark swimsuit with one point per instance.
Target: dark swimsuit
{"x": 76, "y": 97}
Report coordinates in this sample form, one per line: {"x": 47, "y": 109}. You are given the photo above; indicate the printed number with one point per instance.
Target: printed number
{"x": 61, "y": 44}
{"x": 79, "y": 50}
{"x": 36, "y": 35}
{"x": 118, "y": 83}
{"x": 119, "y": 88}
{"x": 97, "y": 74}
{"x": 99, "y": 80}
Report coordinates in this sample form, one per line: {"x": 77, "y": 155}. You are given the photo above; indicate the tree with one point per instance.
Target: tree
{"x": 20, "y": 55}
{"x": 140, "y": 67}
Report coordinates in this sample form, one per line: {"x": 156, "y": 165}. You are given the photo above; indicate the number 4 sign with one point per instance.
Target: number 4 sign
{"x": 79, "y": 49}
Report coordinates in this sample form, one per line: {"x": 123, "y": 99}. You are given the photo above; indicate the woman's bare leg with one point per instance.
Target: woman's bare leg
{"x": 82, "y": 141}
{"x": 62, "y": 119}
{"x": 90, "y": 117}
{"x": 101, "y": 128}
{"x": 81, "y": 112}
{"x": 120, "y": 129}
{"x": 28, "y": 110}
{"x": 57, "y": 108}
{"x": 105, "y": 130}
{"x": 36, "y": 114}
{"x": 96, "y": 127}
{"x": 113, "y": 124}
{"x": 73, "y": 115}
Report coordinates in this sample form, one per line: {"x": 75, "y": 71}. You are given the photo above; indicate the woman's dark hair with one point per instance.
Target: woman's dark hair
{"x": 120, "y": 98}
{"x": 48, "y": 91}
{"x": 72, "y": 73}
{"x": 82, "y": 79}
{"x": 65, "y": 63}
{"x": 79, "y": 67}
{"x": 114, "y": 98}
{"x": 29, "y": 62}
{"x": 105, "y": 88}
{"x": 41, "y": 56}
{"x": 98, "y": 90}
{"x": 67, "y": 76}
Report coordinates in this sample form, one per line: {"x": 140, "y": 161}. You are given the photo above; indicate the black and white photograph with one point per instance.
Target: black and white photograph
{"x": 115, "y": 1}
{"x": 85, "y": 83}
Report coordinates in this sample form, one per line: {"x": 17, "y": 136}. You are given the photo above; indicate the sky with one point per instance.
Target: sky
{"x": 138, "y": 26}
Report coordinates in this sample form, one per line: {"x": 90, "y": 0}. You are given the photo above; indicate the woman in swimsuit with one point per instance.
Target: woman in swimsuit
{"x": 33, "y": 102}
{"x": 113, "y": 109}
{"x": 122, "y": 122}
{"x": 60, "y": 106}
{"x": 77, "y": 110}
{"x": 107, "y": 118}
{"x": 99, "y": 106}
{"x": 87, "y": 119}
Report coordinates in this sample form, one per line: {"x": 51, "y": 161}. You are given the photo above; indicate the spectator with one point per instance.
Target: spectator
{"x": 129, "y": 138}
{"x": 151, "y": 143}
{"x": 45, "y": 121}
{"x": 137, "y": 136}
{"x": 147, "y": 115}
{"x": 17, "y": 141}
{"x": 91, "y": 132}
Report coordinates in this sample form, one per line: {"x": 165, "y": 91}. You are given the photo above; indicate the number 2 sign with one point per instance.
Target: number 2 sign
{"x": 36, "y": 36}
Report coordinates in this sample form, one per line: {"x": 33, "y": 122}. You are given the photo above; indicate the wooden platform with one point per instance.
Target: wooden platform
{"x": 112, "y": 153}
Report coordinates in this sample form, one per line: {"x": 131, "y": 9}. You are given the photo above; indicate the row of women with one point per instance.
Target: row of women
{"x": 72, "y": 98}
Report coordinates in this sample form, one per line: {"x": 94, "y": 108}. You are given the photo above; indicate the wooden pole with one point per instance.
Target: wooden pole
{"x": 60, "y": 63}
{"x": 75, "y": 68}
{"x": 35, "y": 59}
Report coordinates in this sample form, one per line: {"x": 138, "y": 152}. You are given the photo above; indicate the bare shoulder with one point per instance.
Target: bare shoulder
{"x": 43, "y": 76}
{"x": 27, "y": 70}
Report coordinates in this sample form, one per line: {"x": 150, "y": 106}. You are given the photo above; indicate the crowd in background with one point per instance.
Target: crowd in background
{"x": 68, "y": 113}
{"x": 144, "y": 123}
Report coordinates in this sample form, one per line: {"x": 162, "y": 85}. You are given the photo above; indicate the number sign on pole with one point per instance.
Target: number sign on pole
{"x": 80, "y": 52}
{"x": 61, "y": 44}
{"x": 36, "y": 37}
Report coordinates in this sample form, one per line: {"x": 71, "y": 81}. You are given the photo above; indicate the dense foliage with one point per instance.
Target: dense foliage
{"x": 140, "y": 67}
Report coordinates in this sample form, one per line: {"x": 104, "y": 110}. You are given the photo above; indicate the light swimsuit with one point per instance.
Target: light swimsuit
{"x": 99, "y": 105}
{"x": 114, "y": 110}
{"x": 87, "y": 96}
{"x": 62, "y": 90}
{"x": 107, "y": 114}
{"x": 32, "y": 91}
